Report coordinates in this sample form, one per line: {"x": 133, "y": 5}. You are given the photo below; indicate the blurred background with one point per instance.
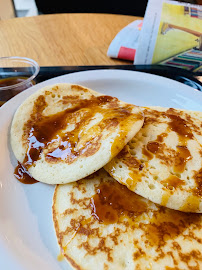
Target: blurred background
{"x": 25, "y": 8}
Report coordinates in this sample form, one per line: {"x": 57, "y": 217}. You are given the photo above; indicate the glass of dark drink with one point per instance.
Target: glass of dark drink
{"x": 16, "y": 75}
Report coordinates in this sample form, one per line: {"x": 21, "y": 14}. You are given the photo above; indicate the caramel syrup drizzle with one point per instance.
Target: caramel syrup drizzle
{"x": 48, "y": 132}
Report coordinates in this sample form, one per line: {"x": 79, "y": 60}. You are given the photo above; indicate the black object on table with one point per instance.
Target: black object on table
{"x": 189, "y": 78}
{"x": 186, "y": 77}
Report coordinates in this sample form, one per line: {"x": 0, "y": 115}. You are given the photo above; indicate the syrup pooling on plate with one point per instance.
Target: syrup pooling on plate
{"x": 23, "y": 175}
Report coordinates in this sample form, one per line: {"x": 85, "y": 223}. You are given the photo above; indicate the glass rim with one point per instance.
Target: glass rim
{"x": 25, "y": 60}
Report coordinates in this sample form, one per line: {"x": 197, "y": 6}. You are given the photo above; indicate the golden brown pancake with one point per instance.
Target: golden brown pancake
{"x": 163, "y": 162}
{"x": 65, "y": 132}
{"x": 100, "y": 224}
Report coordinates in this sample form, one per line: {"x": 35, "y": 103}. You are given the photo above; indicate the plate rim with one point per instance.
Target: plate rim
{"x": 107, "y": 73}
{"x": 80, "y": 75}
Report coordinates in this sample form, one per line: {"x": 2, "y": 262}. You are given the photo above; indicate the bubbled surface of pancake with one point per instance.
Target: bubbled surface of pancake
{"x": 163, "y": 162}
{"x": 65, "y": 132}
{"x": 100, "y": 224}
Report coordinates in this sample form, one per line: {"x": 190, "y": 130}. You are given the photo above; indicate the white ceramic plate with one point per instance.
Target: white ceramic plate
{"x": 27, "y": 237}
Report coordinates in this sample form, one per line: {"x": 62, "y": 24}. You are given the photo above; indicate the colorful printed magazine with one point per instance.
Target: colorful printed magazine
{"x": 171, "y": 35}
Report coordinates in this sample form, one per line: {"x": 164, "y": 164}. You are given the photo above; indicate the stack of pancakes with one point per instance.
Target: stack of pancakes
{"x": 129, "y": 178}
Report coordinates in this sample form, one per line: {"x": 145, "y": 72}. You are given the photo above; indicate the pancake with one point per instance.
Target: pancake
{"x": 100, "y": 224}
{"x": 163, "y": 162}
{"x": 65, "y": 132}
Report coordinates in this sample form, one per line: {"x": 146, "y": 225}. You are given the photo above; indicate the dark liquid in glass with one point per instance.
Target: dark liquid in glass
{"x": 7, "y": 94}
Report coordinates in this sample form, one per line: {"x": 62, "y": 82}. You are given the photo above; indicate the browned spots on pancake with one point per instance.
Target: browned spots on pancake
{"x": 177, "y": 158}
{"x": 101, "y": 247}
{"x": 79, "y": 88}
{"x": 195, "y": 255}
{"x": 70, "y": 99}
{"x": 74, "y": 200}
{"x": 46, "y": 134}
{"x": 198, "y": 181}
{"x": 191, "y": 259}
{"x": 114, "y": 236}
{"x": 152, "y": 116}
{"x": 79, "y": 226}
{"x": 86, "y": 230}
{"x": 113, "y": 200}
{"x": 187, "y": 257}
{"x": 192, "y": 123}
{"x": 38, "y": 108}
{"x": 80, "y": 187}
{"x": 134, "y": 165}
{"x": 55, "y": 88}
{"x": 48, "y": 92}
{"x": 173, "y": 182}
{"x": 166, "y": 155}
{"x": 169, "y": 224}
{"x": 69, "y": 211}
{"x": 82, "y": 227}
{"x": 138, "y": 267}
{"x": 129, "y": 160}
{"x": 155, "y": 227}
{"x": 138, "y": 254}
{"x": 72, "y": 262}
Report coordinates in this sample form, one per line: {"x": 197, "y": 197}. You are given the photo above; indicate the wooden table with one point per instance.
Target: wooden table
{"x": 62, "y": 39}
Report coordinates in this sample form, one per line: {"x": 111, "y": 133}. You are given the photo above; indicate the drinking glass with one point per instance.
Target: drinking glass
{"x": 16, "y": 75}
